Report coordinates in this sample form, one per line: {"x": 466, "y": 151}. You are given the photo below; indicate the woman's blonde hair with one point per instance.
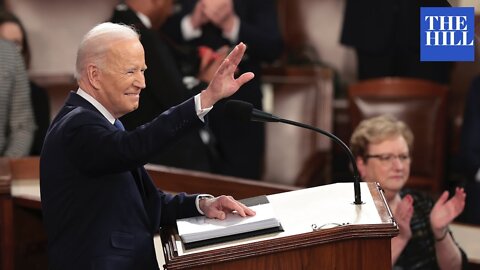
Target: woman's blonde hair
{"x": 376, "y": 130}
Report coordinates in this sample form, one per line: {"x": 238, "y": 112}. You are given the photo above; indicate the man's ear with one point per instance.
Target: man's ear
{"x": 93, "y": 74}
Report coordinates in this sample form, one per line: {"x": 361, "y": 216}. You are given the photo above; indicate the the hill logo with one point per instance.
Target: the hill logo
{"x": 447, "y": 34}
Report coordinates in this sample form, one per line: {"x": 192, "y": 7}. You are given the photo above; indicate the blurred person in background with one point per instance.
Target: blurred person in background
{"x": 12, "y": 29}
{"x": 469, "y": 154}
{"x": 386, "y": 38}
{"x": 382, "y": 147}
{"x": 216, "y": 23}
{"x": 17, "y": 125}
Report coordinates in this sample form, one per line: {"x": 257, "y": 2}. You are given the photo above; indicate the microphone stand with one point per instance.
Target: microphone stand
{"x": 244, "y": 111}
{"x": 356, "y": 174}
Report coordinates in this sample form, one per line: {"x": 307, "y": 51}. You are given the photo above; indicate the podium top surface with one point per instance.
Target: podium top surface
{"x": 315, "y": 210}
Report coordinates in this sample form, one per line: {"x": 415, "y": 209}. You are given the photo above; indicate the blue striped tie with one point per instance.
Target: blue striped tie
{"x": 119, "y": 125}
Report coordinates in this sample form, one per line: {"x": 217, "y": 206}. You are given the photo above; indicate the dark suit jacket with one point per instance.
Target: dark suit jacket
{"x": 164, "y": 90}
{"x": 241, "y": 146}
{"x": 469, "y": 154}
{"x": 470, "y": 140}
{"x": 376, "y": 25}
{"x": 100, "y": 207}
{"x": 41, "y": 112}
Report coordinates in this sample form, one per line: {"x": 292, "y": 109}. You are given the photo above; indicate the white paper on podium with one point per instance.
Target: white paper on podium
{"x": 202, "y": 228}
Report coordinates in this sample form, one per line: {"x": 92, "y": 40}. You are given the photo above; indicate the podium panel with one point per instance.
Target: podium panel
{"x": 323, "y": 230}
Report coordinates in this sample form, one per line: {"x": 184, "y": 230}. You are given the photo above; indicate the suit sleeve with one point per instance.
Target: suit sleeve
{"x": 98, "y": 147}
{"x": 261, "y": 32}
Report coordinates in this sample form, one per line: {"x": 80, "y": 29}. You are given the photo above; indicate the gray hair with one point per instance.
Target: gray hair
{"x": 94, "y": 44}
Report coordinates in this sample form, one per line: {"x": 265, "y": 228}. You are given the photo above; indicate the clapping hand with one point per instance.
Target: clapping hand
{"x": 210, "y": 61}
{"x": 403, "y": 214}
{"x": 445, "y": 211}
{"x": 198, "y": 16}
{"x": 220, "y": 13}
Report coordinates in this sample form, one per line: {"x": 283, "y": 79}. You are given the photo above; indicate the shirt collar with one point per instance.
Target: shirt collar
{"x": 97, "y": 105}
{"x": 145, "y": 20}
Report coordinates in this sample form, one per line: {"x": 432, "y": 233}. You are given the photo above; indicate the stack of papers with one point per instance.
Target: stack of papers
{"x": 201, "y": 228}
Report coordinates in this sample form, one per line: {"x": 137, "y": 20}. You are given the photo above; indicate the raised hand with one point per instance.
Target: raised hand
{"x": 219, "y": 207}
{"x": 198, "y": 16}
{"x": 403, "y": 214}
{"x": 223, "y": 83}
{"x": 219, "y": 12}
{"x": 445, "y": 211}
{"x": 210, "y": 61}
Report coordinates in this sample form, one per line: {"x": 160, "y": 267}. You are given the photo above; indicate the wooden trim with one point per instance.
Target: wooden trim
{"x": 25, "y": 168}
{"x": 6, "y": 217}
{"x": 181, "y": 180}
{"x": 5, "y": 176}
{"x": 6, "y": 233}
{"x": 278, "y": 245}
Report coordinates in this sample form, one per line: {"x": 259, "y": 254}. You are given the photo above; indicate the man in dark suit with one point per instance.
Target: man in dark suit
{"x": 386, "y": 37}
{"x": 469, "y": 154}
{"x": 100, "y": 207}
{"x": 216, "y": 23}
{"x": 164, "y": 85}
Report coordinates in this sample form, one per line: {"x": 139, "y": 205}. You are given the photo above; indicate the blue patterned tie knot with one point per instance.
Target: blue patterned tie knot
{"x": 119, "y": 125}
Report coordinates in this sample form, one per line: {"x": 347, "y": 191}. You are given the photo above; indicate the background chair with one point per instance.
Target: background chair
{"x": 296, "y": 156}
{"x": 421, "y": 104}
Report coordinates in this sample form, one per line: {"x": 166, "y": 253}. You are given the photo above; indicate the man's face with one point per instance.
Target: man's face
{"x": 121, "y": 77}
{"x": 388, "y": 164}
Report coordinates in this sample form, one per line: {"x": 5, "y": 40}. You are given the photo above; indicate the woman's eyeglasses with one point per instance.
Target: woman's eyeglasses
{"x": 389, "y": 158}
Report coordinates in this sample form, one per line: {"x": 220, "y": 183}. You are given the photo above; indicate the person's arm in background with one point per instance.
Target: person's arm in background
{"x": 224, "y": 84}
{"x": 21, "y": 122}
{"x": 260, "y": 31}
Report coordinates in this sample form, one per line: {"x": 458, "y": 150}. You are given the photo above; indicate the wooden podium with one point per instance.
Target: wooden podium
{"x": 323, "y": 230}
{"x": 347, "y": 236}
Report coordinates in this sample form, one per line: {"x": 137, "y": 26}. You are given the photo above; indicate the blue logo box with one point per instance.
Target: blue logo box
{"x": 447, "y": 34}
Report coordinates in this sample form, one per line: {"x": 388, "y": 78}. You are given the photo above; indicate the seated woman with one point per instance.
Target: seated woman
{"x": 11, "y": 29}
{"x": 382, "y": 147}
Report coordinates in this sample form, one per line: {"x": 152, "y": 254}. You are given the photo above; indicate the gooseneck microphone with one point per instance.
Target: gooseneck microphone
{"x": 244, "y": 112}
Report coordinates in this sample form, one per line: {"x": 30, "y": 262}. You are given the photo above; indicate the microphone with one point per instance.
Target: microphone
{"x": 244, "y": 111}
